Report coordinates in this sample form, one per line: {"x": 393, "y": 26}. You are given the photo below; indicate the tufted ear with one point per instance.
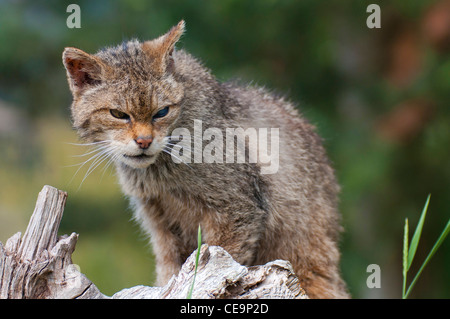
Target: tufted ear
{"x": 83, "y": 70}
{"x": 160, "y": 50}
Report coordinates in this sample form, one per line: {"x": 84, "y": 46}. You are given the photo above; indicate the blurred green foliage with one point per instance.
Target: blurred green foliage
{"x": 379, "y": 98}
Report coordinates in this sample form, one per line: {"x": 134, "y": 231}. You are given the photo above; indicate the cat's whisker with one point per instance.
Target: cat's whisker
{"x": 92, "y": 151}
{"x": 193, "y": 151}
{"x": 92, "y": 168}
{"x": 168, "y": 151}
{"x": 109, "y": 162}
{"x": 96, "y": 149}
{"x": 173, "y": 145}
{"x": 105, "y": 154}
{"x": 89, "y": 144}
{"x": 84, "y": 163}
{"x": 101, "y": 151}
{"x": 113, "y": 158}
{"x": 73, "y": 165}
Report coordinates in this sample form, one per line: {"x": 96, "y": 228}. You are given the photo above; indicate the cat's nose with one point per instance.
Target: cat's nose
{"x": 144, "y": 141}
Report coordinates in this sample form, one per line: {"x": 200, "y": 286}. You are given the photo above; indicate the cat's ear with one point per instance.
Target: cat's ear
{"x": 160, "y": 50}
{"x": 83, "y": 69}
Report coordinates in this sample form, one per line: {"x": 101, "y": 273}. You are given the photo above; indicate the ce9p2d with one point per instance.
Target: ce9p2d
{"x": 247, "y": 308}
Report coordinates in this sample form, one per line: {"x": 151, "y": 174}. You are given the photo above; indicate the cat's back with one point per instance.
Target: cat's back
{"x": 263, "y": 108}
{"x": 260, "y": 108}
{"x": 304, "y": 169}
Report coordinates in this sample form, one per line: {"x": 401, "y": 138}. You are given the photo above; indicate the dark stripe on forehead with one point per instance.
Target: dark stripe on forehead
{"x": 141, "y": 101}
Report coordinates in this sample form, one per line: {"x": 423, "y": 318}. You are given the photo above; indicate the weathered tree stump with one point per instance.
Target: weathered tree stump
{"x": 39, "y": 265}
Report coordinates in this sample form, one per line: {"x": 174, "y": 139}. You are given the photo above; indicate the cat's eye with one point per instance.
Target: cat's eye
{"x": 119, "y": 114}
{"x": 161, "y": 113}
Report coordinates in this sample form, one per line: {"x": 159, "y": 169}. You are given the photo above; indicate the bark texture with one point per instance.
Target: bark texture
{"x": 39, "y": 266}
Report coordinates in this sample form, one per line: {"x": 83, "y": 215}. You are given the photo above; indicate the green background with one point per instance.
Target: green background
{"x": 379, "y": 98}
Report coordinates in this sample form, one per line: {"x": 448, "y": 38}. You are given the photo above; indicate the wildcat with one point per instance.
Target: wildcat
{"x": 127, "y": 100}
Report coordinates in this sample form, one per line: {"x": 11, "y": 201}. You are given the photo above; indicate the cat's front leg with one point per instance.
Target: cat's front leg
{"x": 168, "y": 254}
{"x": 172, "y": 243}
{"x": 239, "y": 234}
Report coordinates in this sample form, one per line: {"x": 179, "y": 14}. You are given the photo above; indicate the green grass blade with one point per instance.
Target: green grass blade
{"x": 416, "y": 237}
{"x": 199, "y": 245}
{"x": 432, "y": 252}
{"x": 405, "y": 257}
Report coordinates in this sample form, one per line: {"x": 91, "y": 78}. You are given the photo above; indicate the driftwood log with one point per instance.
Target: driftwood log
{"x": 39, "y": 265}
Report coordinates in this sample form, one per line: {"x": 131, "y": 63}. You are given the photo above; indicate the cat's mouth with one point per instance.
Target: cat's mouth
{"x": 138, "y": 157}
{"x": 139, "y": 161}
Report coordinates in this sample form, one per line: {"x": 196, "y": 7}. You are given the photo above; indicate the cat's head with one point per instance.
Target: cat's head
{"x": 126, "y": 98}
